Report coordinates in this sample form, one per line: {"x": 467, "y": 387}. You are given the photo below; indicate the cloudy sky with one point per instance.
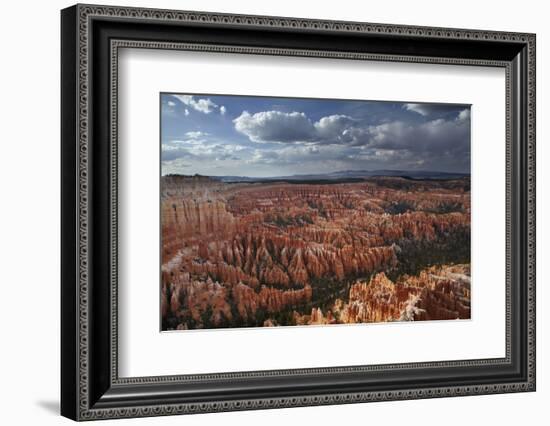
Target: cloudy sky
{"x": 267, "y": 136}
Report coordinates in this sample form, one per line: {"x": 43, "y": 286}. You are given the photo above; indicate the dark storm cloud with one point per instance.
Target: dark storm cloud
{"x": 427, "y": 109}
{"x": 434, "y": 136}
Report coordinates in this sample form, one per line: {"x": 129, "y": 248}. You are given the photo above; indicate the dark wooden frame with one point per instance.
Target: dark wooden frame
{"x": 91, "y": 37}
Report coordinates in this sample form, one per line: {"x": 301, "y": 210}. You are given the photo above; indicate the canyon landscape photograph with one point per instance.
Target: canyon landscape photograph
{"x": 298, "y": 211}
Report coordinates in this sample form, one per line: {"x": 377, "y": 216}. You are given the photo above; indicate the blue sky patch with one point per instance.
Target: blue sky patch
{"x": 255, "y": 136}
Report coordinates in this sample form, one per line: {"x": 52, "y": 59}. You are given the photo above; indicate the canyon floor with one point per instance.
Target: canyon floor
{"x": 269, "y": 253}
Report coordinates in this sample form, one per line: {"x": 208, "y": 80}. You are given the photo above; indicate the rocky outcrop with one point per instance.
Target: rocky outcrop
{"x": 256, "y": 259}
{"x": 272, "y": 300}
{"x": 445, "y": 293}
{"x": 438, "y": 293}
{"x": 376, "y": 301}
{"x": 189, "y": 218}
{"x": 241, "y": 254}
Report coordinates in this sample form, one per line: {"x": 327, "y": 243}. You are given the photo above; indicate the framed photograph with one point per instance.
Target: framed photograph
{"x": 263, "y": 212}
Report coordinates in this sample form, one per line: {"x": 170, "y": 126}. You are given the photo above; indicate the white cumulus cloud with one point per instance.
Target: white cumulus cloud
{"x": 464, "y": 115}
{"x": 288, "y": 127}
{"x": 275, "y": 126}
{"x": 195, "y": 134}
{"x": 203, "y": 105}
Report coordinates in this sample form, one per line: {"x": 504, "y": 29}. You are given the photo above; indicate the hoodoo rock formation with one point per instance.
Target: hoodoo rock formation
{"x": 271, "y": 254}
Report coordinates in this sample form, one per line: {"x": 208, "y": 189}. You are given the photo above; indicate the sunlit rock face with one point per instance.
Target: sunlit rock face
{"x": 438, "y": 292}
{"x": 276, "y": 254}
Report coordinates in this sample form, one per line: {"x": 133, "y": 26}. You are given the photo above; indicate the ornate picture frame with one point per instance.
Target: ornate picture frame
{"x": 91, "y": 39}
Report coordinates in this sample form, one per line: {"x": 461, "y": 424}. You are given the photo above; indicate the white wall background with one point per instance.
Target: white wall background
{"x": 29, "y": 211}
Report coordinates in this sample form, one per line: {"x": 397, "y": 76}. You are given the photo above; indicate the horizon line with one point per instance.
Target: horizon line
{"x": 328, "y": 173}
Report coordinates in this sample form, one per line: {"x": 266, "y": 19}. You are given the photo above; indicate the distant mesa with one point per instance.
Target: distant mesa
{"x": 339, "y": 176}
